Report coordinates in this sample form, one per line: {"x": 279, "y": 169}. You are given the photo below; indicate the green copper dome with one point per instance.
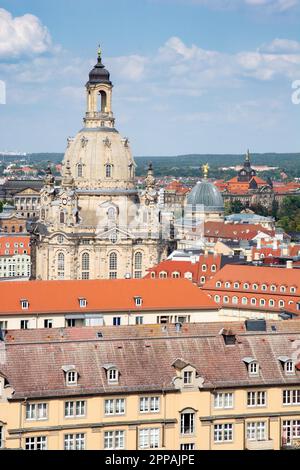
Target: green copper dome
{"x": 206, "y": 194}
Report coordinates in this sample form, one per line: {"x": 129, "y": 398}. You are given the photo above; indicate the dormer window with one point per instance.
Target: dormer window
{"x": 138, "y": 301}
{"x": 252, "y": 365}
{"x": 218, "y": 284}
{"x": 82, "y": 303}
{"x": 289, "y": 368}
{"x": 227, "y": 285}
{"x": 24, "y": 304}
{"x": 246, "y": 285}
{"x": 287, "y": 364}
{"x": 112, "y": 376}
{"x": 253, "y": 368}
{"x": 187, "y": 377}
{"x": 71, "y": 377}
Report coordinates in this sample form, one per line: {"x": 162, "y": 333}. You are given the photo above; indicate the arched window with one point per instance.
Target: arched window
{"x": 108, "y": 171}
{"x": 138, "y": 262}
{"x": 62, "y": 217}
{"x": 113, "y": 266}
{"x": 5, "y": 229}
{"x": 61, "y": 266}
{"x": 79, "y": 170}
{"x": 103, "y": 102}
{"x": 235, "y": 299}
{"x": 111, "y": 213}
{"x": 13, "y": 229}
{"x": 85, "y": 266}
{"x": 20, "y": 229}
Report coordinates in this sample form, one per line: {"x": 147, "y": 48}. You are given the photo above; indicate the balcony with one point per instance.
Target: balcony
{"x": 260, "y": 445}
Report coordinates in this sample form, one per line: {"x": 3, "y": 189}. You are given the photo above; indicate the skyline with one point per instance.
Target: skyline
{"x": 182, "y": 82}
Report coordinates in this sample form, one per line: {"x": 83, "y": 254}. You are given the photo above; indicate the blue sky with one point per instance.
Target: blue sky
{"x": 203, "y": 76}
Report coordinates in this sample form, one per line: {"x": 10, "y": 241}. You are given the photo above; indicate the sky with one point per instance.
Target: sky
{"x": 190, "y": 76}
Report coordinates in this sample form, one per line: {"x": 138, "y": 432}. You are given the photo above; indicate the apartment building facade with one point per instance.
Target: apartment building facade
{"x": 133, "y": 388}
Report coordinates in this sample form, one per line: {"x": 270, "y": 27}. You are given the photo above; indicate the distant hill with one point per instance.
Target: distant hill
{"x": 188, "y": 165}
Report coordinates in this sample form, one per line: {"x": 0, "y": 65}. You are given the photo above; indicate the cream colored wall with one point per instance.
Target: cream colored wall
{"x": 149, "y": 318}
{"x": 170, "y": 407}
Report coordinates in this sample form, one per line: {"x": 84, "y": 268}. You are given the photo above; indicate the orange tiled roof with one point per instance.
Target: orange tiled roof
{"x": 259, "y": 276}
{"x": 114, "y": 295}
{"x": 14, "y": 245}
{"x": 183, "y": 267}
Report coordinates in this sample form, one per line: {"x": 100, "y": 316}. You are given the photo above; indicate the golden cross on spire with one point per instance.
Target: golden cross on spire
{"x": 205, "y": 169}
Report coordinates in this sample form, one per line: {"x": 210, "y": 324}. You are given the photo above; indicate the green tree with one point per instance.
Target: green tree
{"x": 289, "y": 214}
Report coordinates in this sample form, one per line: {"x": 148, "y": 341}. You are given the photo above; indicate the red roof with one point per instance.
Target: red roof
{"x": 231, "y": 231}
{"x": 117, "y": 295}
{"x": 268, "y": 277}
{"x": 14, "y": 245}
{"x": 183, "y": 267}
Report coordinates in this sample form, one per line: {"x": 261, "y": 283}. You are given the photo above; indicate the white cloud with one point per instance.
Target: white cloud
{"x": 23, "y": 35}
{"x": 280, "y": 46}
{"x": 264, "y": 5}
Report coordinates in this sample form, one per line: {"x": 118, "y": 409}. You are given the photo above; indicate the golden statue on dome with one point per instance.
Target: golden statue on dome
{"x": 205, "y": 169}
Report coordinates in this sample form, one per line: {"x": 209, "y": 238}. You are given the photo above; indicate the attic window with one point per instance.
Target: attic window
{"x": 187, "y": 377}
{"x": 288, "y": 365}
{"x": 24, "y": 304}
{"x": 71, "y": 377}
{"x": 138, "y": 301}
{"x": 82, "y": 302}
{"x": 289, "y": 368}
{"x": 252, "y": 365}
{"x": 112, "y": 375}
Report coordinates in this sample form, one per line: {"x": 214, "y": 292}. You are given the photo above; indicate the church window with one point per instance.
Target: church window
{"x": 13, "y": 229}
{"x": 61, "y": 266}
{"x": 111, "y": 213}
{"x": 108, "y": 171}
{"x": 103, "y": 101}
{"x": 85, "y": 266}
{"x": 138, "y": 261}
{"x": 79, "y": 171}
{"x": 62, "y": 217}
{"x": 113, "y": 265}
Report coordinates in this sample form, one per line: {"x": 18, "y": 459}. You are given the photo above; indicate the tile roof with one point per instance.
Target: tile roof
{"x": 62, "y": 296}
{"x": 234, "y": 231}
{"x": 183, "y": 267}
{"x": 12, "y": 245}
{"x": 257, "y": 275}
{"x": 34, "y": 369}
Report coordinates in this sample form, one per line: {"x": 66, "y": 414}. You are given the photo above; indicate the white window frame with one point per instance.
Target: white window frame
{"x": 224, "y": 400}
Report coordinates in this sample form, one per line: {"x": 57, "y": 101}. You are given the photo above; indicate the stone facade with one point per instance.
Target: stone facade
{"x": 96, "y": 225}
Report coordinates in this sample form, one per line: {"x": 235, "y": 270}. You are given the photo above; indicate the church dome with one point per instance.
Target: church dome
{"x": 207, "y": 195}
